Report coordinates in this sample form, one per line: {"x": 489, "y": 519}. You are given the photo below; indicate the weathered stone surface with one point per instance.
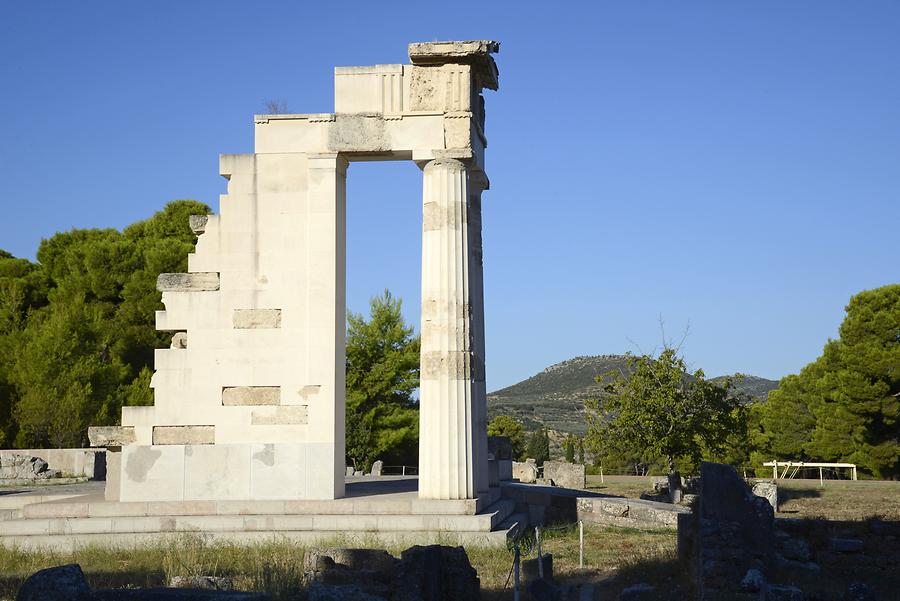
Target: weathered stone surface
{"x": 531, "y": 571}
{"x": 245, "y": 319}
{"x": 210, "y": 583}
{"x": 474, "y": 52}
{"x": 179, "y": 340}
{"x": 62, "y": 583}
{"x": 349, "y": 471}
{"x": 174, "y": 594}
{"x": 435, "y": 573}
{"x": 753, "y": 581}
{"x": 24, "y": 467}
{"x": 198, "y": 223}
{"x": 281, "y": 415}
{"x": 187, "y": 282}
{"x": 251, "y": 395}
{"x": 847, "y": 545}
{"x": 111, "y": 436}
{"x": 377, "y": 467}
{"x": 525, "y": 471}
{"x": 859, "y": 591}
{"x": 734, "y": 531}
{"x": 564, "y": 474}
{"x": 767, "y": 489}
{"x": 637, "y": 592}
{"x": 166, "y": 435}
{"x": 796, "y": 549}
{"x": 343, "y": 592}
{"x": 776, "y": 592}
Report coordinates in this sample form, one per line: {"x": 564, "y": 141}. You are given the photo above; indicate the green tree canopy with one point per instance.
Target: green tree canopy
{"x": 505, "y": 425}
{"x": 77, "y": 328}
{"x": 538, "y": 446}
{"x": 845, "y": 406}
{"x": 663, "y": 410}
{"x": 382, "y": 420}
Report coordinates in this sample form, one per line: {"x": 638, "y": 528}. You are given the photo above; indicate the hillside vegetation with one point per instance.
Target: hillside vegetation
{"x": 555, "y": 397}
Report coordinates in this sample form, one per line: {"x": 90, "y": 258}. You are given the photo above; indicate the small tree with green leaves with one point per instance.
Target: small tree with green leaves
{"x": 664, "y": 410}
{"x": 505, "y": 425}
{"x": 539, "y": 447}
{"x": 569, "y": 448}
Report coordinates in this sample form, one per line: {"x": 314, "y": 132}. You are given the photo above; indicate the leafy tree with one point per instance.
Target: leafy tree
{"x": 845, "y": 406}
{"x": 382, "y": 418}
{"x": 539, "y": 446}
{"x": 504, "y": 425}
{"x": 569, "y": 448}
{"x": 77, "y": 328}
{"x": 662, "y": 410}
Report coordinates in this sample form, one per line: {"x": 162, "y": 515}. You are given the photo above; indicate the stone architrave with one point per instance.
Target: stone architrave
{"x": 253, "y": 407}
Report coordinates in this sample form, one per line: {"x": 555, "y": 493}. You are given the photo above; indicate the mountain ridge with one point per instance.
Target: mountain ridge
{"x": 554, "y": 397}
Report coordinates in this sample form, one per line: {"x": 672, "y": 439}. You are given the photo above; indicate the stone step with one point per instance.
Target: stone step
{"x": 95, "y": 506}
{"x": 10, "y": 514}
{"x": 484, "y": 522}
{"x": 333, "y": 538}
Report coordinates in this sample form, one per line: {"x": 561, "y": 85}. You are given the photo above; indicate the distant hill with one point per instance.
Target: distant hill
{"x": 554, "y": 398}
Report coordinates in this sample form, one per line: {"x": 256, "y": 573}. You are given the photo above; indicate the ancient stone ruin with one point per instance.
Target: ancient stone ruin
{"x": 249, "y": 399}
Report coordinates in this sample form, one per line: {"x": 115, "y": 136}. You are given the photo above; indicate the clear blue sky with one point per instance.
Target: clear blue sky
{"x": 734, "y": 165}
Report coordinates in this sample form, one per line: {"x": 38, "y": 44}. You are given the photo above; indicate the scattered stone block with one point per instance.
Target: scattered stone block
{"x": 637, "y": 592}
{"x": 210, "y": 583}
{"x": 346, "y": 592}
{"x": 435, "y": 573}
{"x": 784, "y": 593}
{"x": 753, "y": 581}
{"x": 847, "y": 545}
{"x": 349, "y": 471}
{"x": 564, "y": 474}
{"x": 377, "y": 468}
{"x": 858, "y": 591}
{"x": 62, "y": 583}
{"x": 531, "y": 569}
{"x": 14, "y": 466}
{"x": 795, "y": 549}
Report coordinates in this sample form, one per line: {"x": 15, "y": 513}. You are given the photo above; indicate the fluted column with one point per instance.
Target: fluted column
{"x": 452, "y": 454}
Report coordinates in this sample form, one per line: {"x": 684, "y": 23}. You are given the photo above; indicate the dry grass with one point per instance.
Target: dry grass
{"x": 277, "y": 567}
{"x": 620, "y": 486}
{"x": 840, "y": 500}
{"x": 614, "y": 557}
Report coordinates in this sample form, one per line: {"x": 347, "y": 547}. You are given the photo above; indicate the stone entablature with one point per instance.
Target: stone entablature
{"x": 249, "y": 399}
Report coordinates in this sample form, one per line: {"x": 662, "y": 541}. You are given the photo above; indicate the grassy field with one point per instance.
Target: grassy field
{"x": 278, "y": 568}
{"x": 835, "y": 500}
{"x": 614, "y": 557}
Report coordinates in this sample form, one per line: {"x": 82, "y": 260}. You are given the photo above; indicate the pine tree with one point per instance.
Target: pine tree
{"x": 382, "y": 418}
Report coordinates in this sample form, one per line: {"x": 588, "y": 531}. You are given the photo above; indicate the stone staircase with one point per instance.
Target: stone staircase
{"x": 397, "y": 519}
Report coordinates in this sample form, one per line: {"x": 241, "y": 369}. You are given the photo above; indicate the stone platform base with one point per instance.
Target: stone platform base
{"x": 384, "y": 511}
